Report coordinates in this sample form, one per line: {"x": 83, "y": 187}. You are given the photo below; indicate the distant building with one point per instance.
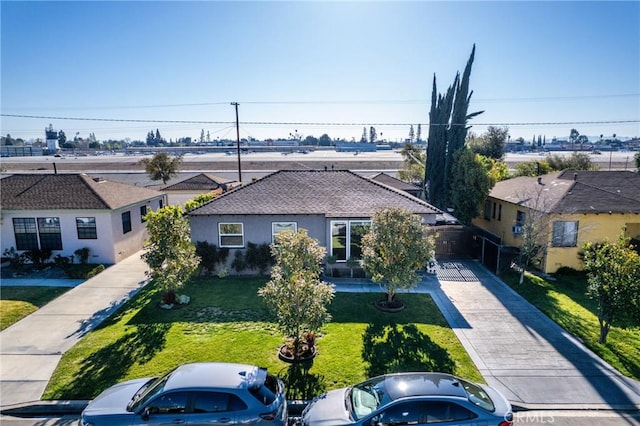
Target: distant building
{"x": 355, "y": 147}
{"x": 51, "y": 139}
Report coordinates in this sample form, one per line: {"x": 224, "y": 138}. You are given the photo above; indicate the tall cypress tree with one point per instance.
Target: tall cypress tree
{"x": 448, "y": 128}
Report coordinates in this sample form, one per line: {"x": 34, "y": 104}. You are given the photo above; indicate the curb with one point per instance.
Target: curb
{"x": 39, "y": 408}
{"x": 45, "y": 407}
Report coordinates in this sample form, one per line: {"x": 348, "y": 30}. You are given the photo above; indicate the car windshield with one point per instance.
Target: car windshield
{"x": 478, "y": 396}
{"x": 366, "y": 397}
{"x": 146, "y": 392}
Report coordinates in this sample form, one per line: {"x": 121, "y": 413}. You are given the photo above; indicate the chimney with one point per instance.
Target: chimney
{"x": 575, "y": 176}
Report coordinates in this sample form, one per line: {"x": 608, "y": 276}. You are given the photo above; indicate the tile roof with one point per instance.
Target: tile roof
{"x": 339, "y": 193}
{"x": 575, "y": 191}
{"x": 202, "y": 181}
{"x": 68, "y": 192}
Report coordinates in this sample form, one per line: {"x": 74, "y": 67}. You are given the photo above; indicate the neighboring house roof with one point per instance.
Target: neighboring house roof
{"x": 200, "y": 182}
{"x": 339, "y": 193}
{"x": 575, "y": 192}
{"x": 395, "y": 183}
{"x": 68, "y": 192}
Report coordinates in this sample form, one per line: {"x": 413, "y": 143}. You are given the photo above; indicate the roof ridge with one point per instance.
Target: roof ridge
{"x": 86, "y": 178}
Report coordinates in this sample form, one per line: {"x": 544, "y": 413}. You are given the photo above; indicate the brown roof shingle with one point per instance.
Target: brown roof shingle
{"x": 576, "y": 191}
{"x": 68, "y": 192}
{"x": 332, "y": 193}
{"x": 200, "y": 182}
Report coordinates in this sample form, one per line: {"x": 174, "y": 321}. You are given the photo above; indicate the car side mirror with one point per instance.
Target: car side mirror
{"x": 145, "y": 414}
{"x": 373, "y": 421}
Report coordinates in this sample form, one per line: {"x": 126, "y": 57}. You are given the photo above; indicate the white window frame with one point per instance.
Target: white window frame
{"x": 275, "y": 231}
{"x": 348, "y": 224}
{"x": 222, "y": 235}
{"x": 565, "y": 233}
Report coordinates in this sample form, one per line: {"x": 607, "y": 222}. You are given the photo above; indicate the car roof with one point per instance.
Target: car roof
{"x": 215, "y": 375}
{"x": 400, "y": 385}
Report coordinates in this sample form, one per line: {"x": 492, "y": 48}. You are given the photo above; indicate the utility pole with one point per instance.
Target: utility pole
{"x": 238, "y": 142}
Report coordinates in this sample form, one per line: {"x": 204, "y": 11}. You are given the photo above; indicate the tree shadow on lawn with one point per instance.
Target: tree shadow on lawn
{"x": 109, "y": 364}
{"x": 390, "y": 348}
{"x": 300, "y": 383}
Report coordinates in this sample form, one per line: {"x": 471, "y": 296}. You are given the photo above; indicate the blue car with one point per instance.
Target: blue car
{"x": 206, "y": 393}
{"x": 410, "y": 399}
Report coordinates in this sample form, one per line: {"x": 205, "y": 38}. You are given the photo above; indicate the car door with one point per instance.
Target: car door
{"x": 211, "y": 408}
{"x": 170, "y": 408}
{"x": 400, "y": 414}
{"x": 418, "y": 413}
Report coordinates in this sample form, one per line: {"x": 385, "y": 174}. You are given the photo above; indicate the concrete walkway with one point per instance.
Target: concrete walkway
{"x": 517, "y": 349}
{"x": 31, "y": 348}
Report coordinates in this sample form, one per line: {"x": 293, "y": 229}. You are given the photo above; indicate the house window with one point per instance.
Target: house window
{"x": 520, "y": 217}
{"x": 161, "y": 203}
{"x": 346, "y": 238}
{"x": 487, "y": 210}
{"x": 493, "y": 215}
{"x": 26, "y": 233}
{"x": 278, "y": 227}
{"x": 50, "y": 234}
{"x": 499, "y": 211}
{"x": 231, "y": 234}
{"x": 143, "y": 213}
{"x": 357, "y": 230}
{"x": 86, "y": 227}
{"x": 126, "y": 222}
{"x": 565, "y": 234}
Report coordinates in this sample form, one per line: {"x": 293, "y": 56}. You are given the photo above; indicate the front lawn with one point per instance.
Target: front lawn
{"x": 18, "y": 302}
{"x": 227, "y": 321}
{"x": 566, "y": 303}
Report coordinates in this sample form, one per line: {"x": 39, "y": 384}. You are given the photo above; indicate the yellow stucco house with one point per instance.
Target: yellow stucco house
{"x": 570, "y": 208}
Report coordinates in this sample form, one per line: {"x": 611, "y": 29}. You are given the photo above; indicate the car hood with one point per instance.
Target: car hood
{"x": 114, "y": 400}
{"x": 328, "y": 409}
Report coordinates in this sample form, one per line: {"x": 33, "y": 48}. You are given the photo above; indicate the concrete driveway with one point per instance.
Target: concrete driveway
{"x": 31, "y": 348}
{"x": 520, "y": 351}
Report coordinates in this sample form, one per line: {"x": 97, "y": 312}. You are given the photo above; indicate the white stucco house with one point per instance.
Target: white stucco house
{"x": 66, "y": 212}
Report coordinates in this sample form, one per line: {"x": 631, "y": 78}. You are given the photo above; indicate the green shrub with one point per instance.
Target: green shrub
{"x": 83, "y": 254}
{"x": 95, "y": 271}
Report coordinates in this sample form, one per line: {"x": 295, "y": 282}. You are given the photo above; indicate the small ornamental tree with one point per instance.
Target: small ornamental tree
{"x": 394, "y": 248}
{"x": 162, "y": 166}
{"x": 613, "y": 280}
{"x": 169, "y": 252}
{"x": 295, "y": 294}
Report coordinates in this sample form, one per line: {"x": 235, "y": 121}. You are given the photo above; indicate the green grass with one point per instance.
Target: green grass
{"x": 565, "y": 302}
{"x": 227, "y": 321}
{"x": 18, "y": 302}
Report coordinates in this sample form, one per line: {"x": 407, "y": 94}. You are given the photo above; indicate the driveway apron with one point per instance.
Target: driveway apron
{"x": 31, "y": 348}
{"x": 522, "y": 352}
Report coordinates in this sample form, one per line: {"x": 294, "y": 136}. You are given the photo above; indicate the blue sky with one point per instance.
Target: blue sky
{"x": 289, "y": 63}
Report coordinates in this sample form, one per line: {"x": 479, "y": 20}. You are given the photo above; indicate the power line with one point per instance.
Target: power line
{"x": 328, "y": 124}
{"x": 355, "y": 102}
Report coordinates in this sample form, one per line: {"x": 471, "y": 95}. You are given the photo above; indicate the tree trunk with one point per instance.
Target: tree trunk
{"x": 604, "y": 331}
{"x": 389, "y": 297}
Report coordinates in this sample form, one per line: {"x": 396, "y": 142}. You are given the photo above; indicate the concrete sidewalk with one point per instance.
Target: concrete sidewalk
{"x": 519, "y": 350}
{"x": 31, "y": 348}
